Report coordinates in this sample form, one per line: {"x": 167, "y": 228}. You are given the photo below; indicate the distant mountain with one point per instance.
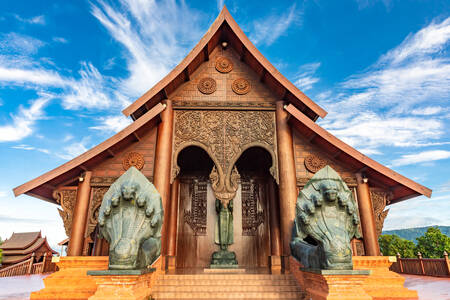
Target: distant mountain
{"x": 413, "y": 233}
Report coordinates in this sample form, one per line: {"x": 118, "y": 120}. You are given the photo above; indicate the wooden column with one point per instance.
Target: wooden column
{"x": 274, "y": 223}
{"x": 287, "y": 176}
{"x": 163, "y": 158}
{"x": 76, "y": 240}
{"x": 173, "y": 221}
{"x": 368, "y": 227}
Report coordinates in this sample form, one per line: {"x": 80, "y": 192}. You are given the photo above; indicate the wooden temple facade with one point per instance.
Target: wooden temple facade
{"x": 226, "y": 124}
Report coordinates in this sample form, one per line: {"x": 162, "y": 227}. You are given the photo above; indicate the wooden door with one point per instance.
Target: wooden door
{"x": 197, "y": 218}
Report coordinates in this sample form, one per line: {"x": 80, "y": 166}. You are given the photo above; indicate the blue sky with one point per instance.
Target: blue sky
{"x": 380, "y": 68}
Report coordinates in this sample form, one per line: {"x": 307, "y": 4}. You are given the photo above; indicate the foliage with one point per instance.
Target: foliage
{"x": 433, "y": 243}
{"x": 413, "y": 233}
{"x": 391, "y": 244}
{"x": 1, "y": 256}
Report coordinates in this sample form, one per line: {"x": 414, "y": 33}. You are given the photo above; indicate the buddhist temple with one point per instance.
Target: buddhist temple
{"x": 223, "y": 124}
{"x": 22, "y": 245}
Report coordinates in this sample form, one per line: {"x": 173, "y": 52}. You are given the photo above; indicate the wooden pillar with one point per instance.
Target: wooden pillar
{"x": 274, "y": 223}
{"x": 287, "y": 176}
{"x": 76, "y": 240}
{"x": 367, "y": 217}
{"x": 163, "y": 158}
{"x": 173, "y": 221}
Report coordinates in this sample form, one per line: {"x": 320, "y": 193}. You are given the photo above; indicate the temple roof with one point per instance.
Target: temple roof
{"x": 20, "y": 240}
{"x": 225, "y": 29}
{"x": 401, "y": 187}
{"x": 146, "y": 109}
{"x": 20, "y": 246}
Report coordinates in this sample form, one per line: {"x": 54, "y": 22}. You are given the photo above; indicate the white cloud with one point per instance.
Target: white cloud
{"x": 220, "y": 4}
{"x": 113, "y": 123}
{"x": 270, "y": 28}
{"x": 24, "y": 121}
{"x": 17, "y": 43}
{"x": 59, "y": 39}
{"x": 306, "y": 76}
{"x": 40, "y": 77}
{"x": 428, "y": 111}
{"x": 421, "y": 157}
{"x": 90, "y": 91}
{"x": 389, "y": 103}
{"x": 74, "y": 149}
{"x": 40, "y": 20}
{"x": 154, "y": 42}
{"x": 30, "y": 148}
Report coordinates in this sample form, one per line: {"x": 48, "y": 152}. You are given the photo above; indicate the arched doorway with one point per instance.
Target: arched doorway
{"x": 197, "y": 214}
{"x": 196, "y": 200}
{"x": 251, "y": 213}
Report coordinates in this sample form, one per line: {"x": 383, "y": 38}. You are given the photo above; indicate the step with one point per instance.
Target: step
{"x": 229, "y": 295}
{"x": 226, "y": 276}
{"x": 229, "y": 282}
{"x": 226, "y": 288}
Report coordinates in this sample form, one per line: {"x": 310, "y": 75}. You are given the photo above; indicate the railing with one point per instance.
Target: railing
{"x": 21, "y": 268}
{"x": 29, "y": 267}
{"x": 37, "y": 268}
{"x": 439, "y": 267}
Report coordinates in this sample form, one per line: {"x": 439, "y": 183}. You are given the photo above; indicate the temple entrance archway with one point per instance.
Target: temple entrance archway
{"x": 197, "y": 215}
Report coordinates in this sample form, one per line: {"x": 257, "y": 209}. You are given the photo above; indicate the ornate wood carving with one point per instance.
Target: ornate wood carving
{"x": 251, "y": 217}
{"x": 224, "y": 135}
{"x": 107, "y": 181}
{"x": 314, "y": 163}
{"x": 350, "y": 181}
{"x": 207, "y": 85}
{"x": 67, "y": 199}
{"x": 223, "y": 65}
{"x": 379, "y": 201}
{"x": 241, "y": 86}
{"x": 134, "y": 159}
{"x": 196, "y": 217}
{"x": 94, "y": 206}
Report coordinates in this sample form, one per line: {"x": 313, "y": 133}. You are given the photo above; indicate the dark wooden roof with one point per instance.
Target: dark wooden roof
{"x": 401, "y": 187}
{"x": 43, "y": 186}
{"x": 225, "y": 29}
{"x": 20, "y": 246}
{"x": 20, "y": 240}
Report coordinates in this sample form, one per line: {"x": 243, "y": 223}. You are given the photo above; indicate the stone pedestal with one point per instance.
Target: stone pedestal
{"x": 330, "y": 284}
{"x": 122, "y": 284}
{"x": 71, "y": 281}
{"x": 382, "y": 283}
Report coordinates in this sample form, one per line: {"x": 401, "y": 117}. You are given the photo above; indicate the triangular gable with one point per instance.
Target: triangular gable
{"x": 42, "y": 187}
{"x": 401, "y": 187}
{"x": 225, "y": 29}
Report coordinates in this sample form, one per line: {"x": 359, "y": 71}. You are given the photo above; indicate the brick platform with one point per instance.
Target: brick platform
{"x": 71, "y": 281}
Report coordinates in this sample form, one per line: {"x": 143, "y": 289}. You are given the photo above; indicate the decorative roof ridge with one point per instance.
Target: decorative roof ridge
{"x": 223, "y": 17}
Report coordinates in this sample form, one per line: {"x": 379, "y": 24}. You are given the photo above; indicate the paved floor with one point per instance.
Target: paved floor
{"x": 20, "y": 287}
{"x": 429, "y": 288}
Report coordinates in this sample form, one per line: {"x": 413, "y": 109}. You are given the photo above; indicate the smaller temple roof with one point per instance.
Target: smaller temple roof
{"x": 21, "y": 245}
{"x": 20, "y": 240}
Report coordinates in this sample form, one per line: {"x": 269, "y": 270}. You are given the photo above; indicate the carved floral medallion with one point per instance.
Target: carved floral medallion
{"x": 134, "y": 159}
{"x": 224, "y": 65}
{"x": 241, "y": 86}
{"x": 207, "y": 85}
{"x": 314, "y": 163}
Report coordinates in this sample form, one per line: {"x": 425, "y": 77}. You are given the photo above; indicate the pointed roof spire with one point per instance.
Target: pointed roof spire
{"x": 225, "y": 27}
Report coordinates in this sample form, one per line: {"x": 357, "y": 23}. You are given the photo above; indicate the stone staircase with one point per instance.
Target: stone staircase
{"x": 226, "y": 286}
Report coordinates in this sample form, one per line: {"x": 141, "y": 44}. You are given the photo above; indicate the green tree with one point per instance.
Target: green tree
{"x": 433, "y": 243}
{"x": 391, "y": 244}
